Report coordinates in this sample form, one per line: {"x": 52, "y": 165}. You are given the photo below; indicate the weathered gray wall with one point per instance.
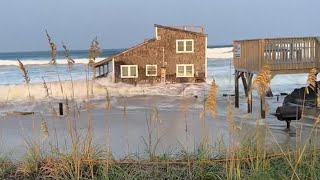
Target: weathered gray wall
{"x": 151, "y": 53}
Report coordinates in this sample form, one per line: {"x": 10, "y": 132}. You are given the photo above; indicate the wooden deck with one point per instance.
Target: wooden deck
{"x": 283, "y": 55}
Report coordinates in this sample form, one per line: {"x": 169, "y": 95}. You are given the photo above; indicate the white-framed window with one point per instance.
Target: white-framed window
{"x": 185, "y": 70}
{"x": 151, "y": 70}
{"x": 184, "y": 46}
{"x": 129, "y": 71}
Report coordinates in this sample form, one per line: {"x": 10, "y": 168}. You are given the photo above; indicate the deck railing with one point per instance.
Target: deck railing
{"x": 280, "y": 53}
{"x": 198, "y": 29}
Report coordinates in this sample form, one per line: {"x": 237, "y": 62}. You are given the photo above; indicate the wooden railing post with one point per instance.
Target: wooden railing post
{"x": 317, "y": 58}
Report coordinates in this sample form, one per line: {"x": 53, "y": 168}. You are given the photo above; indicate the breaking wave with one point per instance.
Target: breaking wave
{"x": 42, "y": 61}
{"x": 220, "y": 53}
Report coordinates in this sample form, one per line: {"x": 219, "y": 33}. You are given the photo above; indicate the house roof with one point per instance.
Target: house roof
{"x": 123, "y": 52}
{"x": 187, "y": 29}
{"x": 176, "y": 28}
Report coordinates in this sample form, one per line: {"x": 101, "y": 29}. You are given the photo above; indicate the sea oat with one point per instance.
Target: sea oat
{"x": 53, "y": 49}
{"x": 46, "y": 88}
{"x": 44, "y": 130}
{"x": 108, "y": 106}
{"x": 312, "y": 78}
{"x": 262, "y": 82}
{"x": 211, "y": 104}
{"x": 94, "y": 51}
{"x": 67, "y": 106}
{"x": 230, "y": 117}
{"x": 67, "y": 55}
{"x": 24, "y": 72}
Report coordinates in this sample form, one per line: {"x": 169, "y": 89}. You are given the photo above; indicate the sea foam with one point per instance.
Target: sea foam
{"x": 83, "y": 89}
{"x": 220, "y": 53}
{"x": 43, "y": 62}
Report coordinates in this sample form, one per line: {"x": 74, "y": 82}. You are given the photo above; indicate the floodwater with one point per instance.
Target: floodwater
{"x": 175, "y": 119}
{"x": 175, "y": 122}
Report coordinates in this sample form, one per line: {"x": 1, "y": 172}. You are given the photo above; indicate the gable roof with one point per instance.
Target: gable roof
{"x": 180, "y": 29}
{"x": 123, "y": 52}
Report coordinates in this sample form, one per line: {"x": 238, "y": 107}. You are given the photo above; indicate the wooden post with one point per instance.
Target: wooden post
{"x": 288, "y": 124}
{"x": 249, "y": 92}
{"x": 245, "y": 84}
{"x": 316, "y": 93}
{"x": 250, "y": 102}
{"x": 236, "y": 89}
{"x": 60, "y": 109}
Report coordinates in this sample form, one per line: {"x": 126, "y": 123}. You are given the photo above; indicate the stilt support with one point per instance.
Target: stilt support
{"x": 60, "y": 109}
{"x": 247, "y": 83}
{"x": 288, "y": 124}
{"x": 236, "y": 89}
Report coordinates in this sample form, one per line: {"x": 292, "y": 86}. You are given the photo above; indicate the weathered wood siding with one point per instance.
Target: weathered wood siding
{"x": 284, "y": 55}
{"x": 250, "y": 57}
{"x": 152, "y": 53}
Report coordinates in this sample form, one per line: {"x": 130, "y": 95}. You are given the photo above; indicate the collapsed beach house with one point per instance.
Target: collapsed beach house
{"x": 176, "y": 55}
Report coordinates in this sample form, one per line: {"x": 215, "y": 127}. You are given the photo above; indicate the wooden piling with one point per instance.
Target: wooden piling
{"x": 60, "y": 109}
{"x": 244, "y": 83}
{"x": 236, "y": 89}
{"x": 249, "y": 92}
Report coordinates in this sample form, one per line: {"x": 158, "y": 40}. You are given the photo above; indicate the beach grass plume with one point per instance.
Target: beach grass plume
{"x": 67, "y": 54}
{"x": 46, "y": 88}
{"x": 94, "y": 51}
{"x": 24, "y": 72}
{"x": 312, "y": 79}
{"x": 44, "y": 129}
{"x": 262, "y": 81}
{"x": 211, "y": 103}
{"x": 53, "y": 49}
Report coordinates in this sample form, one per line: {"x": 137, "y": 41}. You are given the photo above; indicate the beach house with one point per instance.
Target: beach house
{"x": 176, "y": 54}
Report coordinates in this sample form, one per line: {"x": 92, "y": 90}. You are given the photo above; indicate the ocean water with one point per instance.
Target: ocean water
{"x": 38, "y": 67}
{"x": 12, "y": 86}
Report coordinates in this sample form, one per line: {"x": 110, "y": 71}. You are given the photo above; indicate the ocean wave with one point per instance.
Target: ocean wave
{"x": 220, "y": 53}
{"x": 97, "y": 89}
{"x": 43, "y": 61}
{"x": 212, "y": 53}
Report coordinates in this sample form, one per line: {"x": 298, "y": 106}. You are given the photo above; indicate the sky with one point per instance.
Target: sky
{"x": 124, "y": 23}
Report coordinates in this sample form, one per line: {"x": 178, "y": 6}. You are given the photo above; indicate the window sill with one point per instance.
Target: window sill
{"x": 128, "y": 77}
{"x": 184, "y": 52}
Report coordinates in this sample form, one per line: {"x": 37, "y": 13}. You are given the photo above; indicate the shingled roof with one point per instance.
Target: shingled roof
{"x": 173, "y": 28}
